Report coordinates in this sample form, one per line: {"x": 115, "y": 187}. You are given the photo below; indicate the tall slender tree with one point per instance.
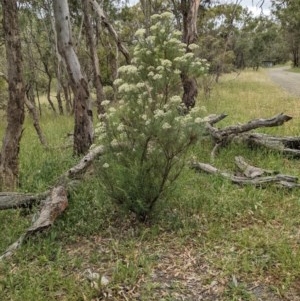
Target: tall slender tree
{"x": 9, "y": 165}
{"x": 189, "y": 10}
{"x": 83, "y": 129}
{"x": 93, "y": 54}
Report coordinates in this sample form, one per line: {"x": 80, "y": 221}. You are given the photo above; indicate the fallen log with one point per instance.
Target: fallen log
{"x": 222, "y": 137}
{"x": 233, "y": 130}
{"x": 13, "y": 200}
{"x": 53, "y": 202}
{"x": 258, "y": 181}
{"x": 289, "y": 146}
{"x": 53, "y": 206}
{"x": 252, "y": 171}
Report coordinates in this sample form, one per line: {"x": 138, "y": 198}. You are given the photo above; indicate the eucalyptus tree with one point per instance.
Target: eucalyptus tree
{"x": 287, "y": 12}
{"x": 219, "y": 29}
{"x": 90, "y": 39}
{"x": 83, "y": 129}
{"x": 186, "y": 12}
{"x": 9, "y": 165}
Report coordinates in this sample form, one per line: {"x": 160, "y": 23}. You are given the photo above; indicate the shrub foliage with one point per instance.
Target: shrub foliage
{"x": 146, "y": 133}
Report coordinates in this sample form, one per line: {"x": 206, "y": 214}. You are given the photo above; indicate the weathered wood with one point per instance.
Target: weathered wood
{"x": 227, "y": 133}
{"x": 54, "y": 205}
{"x": 79, "y": 169}
{"x": 53, "y": 202}
{"x": 252, "y": 171}
{"x": 279, "y": 179}
{"x": 12, "y": 200}
{"x": 289, "y": 146}
{"x": 238, "y": 133}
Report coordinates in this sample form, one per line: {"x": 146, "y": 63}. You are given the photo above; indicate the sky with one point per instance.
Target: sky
{"x": 254, "y": 5}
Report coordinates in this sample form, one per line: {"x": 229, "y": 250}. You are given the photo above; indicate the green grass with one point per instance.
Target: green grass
{"x": 210, "y": 238}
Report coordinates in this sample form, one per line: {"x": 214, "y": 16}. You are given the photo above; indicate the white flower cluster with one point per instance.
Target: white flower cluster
{"x": 166, "y": 126}
{"x": 140, "y": 33}
{"x": 105, "y": 103}
{"x": 158, "y": 113}
{"x": 125, "y": 88}
{"x": 193, "y": 47}
{"x": 128, "y": 69}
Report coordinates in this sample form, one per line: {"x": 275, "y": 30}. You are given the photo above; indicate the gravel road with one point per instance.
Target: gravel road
{"x": 289, "y": 81}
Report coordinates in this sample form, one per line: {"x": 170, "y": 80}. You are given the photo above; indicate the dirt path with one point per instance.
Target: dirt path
{"x": 289, "y": 81}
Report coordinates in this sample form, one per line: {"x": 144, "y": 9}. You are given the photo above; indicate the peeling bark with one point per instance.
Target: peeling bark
{"x": 189, "y": 10}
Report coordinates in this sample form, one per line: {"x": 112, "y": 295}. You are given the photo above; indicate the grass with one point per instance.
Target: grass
{"x": 210, "y": 238}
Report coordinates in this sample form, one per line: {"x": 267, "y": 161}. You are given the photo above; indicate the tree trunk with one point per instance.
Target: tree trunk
{"x": 83, "y": 130}
{"x": 94, "y": 56}
{"x": 9, "y": 166}
{"x": 30, "y": 104}
{"x": 110, "y": 28}
{"x": 189, "y": 10}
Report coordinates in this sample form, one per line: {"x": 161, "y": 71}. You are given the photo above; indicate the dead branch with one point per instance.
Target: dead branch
{"x": 252, "y": 171}
{"x": 111, "y": 29}
{"x": 53, "y": 202}
{"x": 227, "y": 133}
{"x": 53, "y": 206}
{"x": 279, "y": 179}
{"x": 222, "y": 137}
{"x": 289, "y": 146}
{"x": 12, "y": 200}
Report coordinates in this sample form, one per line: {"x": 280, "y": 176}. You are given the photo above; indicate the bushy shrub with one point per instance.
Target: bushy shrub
{"x": 145, "y": 134}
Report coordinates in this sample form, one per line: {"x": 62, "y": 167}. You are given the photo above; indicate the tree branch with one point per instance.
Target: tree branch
{"x": 258, "y": 181}
{"x": 53, "y": 202}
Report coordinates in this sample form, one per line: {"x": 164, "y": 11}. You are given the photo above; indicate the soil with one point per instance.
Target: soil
{"x": 289, "y": 81}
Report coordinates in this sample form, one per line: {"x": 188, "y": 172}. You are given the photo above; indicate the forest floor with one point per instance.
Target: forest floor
{"x": 289, "y": 81}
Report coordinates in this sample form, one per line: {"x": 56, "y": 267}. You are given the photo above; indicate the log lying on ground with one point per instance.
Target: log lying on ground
{"x": 250, "y": 171}
{"x": 251, "y": 175}
{"x": 12, "y": 200}
{"x": 233, "y": 130}
{"x": 53, "y": 202}
{"x": 289, "y": 146}
{"x": 221, "y": 137}
{"x": 53, "y": 206}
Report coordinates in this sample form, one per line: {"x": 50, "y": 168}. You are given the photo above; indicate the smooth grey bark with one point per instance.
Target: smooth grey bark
{"x": 83, "y": 129}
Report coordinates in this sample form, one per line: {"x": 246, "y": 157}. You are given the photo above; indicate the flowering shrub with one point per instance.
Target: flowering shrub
{"x": 146, "y": 136}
